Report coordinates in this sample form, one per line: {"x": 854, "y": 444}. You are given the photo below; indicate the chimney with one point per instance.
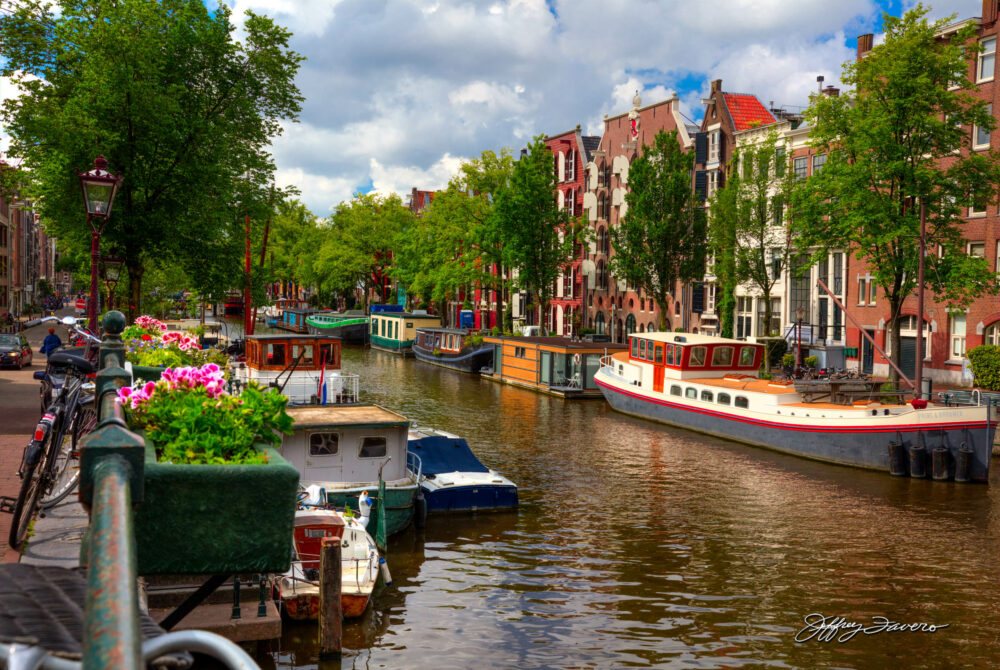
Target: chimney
{"x": 865, "y": 44}
{"x": 716, "y": 85}
{"x": 989, "y": 11}
{"x": 819, "y": 83}
{"x": 831, "y": 91}
{"x": 524, "y": 153}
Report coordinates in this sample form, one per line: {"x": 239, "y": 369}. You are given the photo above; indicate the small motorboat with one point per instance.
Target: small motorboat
{"x": 297, "y": 591}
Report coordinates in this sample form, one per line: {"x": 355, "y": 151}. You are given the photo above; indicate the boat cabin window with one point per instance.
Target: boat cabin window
{"x": 326, "y": 354}
{"x": 307, "y": 353}
{"x": 635, "y": 347}
{"x": 659, "y": 354}
{"x": 722, "y": 357}
{"x": 691, "y": 393}
{"x": 675, "y": 390}
{"x": 742, "y": 402}
{"x": 324, "y": 444}
{"x": 746, "y": 357}
{"x": 706, "y": 396}
{"x": 670, "y": 354}
{"x": 372, "y": 447}
{"x": 723, "y": 399}
{"x": 275, "y": 353}
{"x": 697, "y": 357}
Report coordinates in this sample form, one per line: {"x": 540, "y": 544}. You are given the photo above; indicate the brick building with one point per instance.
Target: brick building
{"x": 613, "y": 307}
{"x": 947, "y": 336}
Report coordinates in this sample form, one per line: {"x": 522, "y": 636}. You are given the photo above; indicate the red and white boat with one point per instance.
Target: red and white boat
{"x": 297, "y": 591}
{"x": 711, "y": 385}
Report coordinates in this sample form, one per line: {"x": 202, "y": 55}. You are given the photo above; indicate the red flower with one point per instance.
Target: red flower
{"x": 147, "y": 337}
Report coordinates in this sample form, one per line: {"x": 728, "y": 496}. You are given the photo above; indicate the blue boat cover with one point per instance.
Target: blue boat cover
{"x": 445, "y": 454}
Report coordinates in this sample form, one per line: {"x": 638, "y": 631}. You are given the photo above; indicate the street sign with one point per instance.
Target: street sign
{"x": 81, "y": 304}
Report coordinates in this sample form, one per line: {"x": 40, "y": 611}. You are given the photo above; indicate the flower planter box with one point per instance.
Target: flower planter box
{"x": 216, "y": 519}
{"x": 147, "y": 373}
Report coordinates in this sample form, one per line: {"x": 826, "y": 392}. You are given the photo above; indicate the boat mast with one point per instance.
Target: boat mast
{"x": 919, "y": 371}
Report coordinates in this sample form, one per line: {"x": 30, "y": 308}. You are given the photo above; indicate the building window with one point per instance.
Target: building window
{"x": 819, "y": 160}
{"x": 958, "y": 336}
{"x": 977, "y": 249}
{"x": 710, "y": 298}
{"x": 801, "y": 167}
{"x": 600, "y": 206}
{"x": 744, "y": 317}
{"x": 987, "y": 59}
{"x": 713, "y": 147}
{"x": 713, "y": 183}
{"x": 977, "y": 209}
{"x": 980, "y": 135}
{"x": 992, "y": 334}
{"x": 777, "y": 211}
{"x": 779, "y": 162}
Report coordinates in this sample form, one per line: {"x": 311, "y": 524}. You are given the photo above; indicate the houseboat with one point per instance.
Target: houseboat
{"x": 305, "y": 367}
{"x": 234, "y": 304}
{"x": 350, "y": 326}
{"x": 294, "y": 319}
{"x": 555, "y": 365}
{"x": 349, "y": 449}
{"x": 455, "y": 480}
{"x": 395, "y": 331}
{"x": 458, "y": 349}
{"x": 711, "y": 385}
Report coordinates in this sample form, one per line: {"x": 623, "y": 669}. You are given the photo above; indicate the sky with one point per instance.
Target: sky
{"x": 399, "y": 92}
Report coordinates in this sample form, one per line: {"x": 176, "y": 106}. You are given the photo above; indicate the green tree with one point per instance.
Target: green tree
{"x": 177, "y": 105}
{"x": 484, "y": 178}
{"x": 902, "y": 139}
{"x": 294, "y": 237}
{"x": 746, "y": 231}
{"x": 358, "y": 243}
{"x": 538, "y": 236}
{"x": 661, "y": 238}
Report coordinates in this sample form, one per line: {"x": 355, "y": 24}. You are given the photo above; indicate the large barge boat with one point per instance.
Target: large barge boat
{"x": 711, "y": 385}
{"x": 351, "y": 326}
{"x": 558, "y": 366}
{"x": 395, "y": 331}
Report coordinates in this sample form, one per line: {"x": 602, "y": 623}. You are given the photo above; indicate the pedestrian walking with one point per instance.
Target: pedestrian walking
{"x": 51, "y": 343}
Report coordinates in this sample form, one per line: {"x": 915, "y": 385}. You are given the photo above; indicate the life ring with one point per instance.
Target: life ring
{"x": 576, "y": 359}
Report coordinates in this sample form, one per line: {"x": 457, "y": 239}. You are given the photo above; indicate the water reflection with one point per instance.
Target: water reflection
{"x": 642, "y": 545}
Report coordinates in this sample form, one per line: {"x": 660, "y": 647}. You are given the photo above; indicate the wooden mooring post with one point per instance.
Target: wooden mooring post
{"x": 331, "y": 614}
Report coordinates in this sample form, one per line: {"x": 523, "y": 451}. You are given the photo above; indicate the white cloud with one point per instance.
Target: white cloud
{"x": 397, "y": 92}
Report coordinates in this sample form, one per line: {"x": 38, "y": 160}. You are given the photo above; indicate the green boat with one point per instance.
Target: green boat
{"x": 347, "y": 449}
{"x": 350, "y": 326}
{"x": 395, "y": 331}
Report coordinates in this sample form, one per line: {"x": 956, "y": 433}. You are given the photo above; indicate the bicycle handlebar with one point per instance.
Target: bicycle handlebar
{"x": 72, "y": 327}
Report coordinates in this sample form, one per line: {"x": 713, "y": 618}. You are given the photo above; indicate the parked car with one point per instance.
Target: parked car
{"x": 15, "y": 351}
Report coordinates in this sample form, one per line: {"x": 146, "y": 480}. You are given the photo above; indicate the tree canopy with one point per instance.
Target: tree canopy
{"x": 902, "y": 138}
{"x": 180, "y": 108}
{"x": 661, "y": 238}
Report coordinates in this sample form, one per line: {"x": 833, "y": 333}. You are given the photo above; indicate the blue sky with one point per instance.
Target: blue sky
{"x": 399, "y": 92}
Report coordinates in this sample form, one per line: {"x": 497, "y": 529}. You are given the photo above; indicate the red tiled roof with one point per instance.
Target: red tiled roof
{"x": 746, "y": 110}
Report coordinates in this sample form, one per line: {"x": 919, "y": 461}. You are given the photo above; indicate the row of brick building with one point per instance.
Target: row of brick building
{"x": 27, "y": 256}
{"x": 592, "y": 180}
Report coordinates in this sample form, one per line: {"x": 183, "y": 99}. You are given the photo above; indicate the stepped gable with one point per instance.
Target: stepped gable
{"x": 747, "y": 111}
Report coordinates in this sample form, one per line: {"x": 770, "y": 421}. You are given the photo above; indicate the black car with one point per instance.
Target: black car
{"x": 15, "y": 352}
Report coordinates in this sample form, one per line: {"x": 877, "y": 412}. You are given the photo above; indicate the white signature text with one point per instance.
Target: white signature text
{"x": 838, "y": 629}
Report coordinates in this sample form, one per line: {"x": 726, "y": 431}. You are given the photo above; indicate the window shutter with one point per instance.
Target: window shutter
{"x": 700, "y": 148}
{"x": 722, "y": 147}
{"x": 700, "y": 184}
{"x": 698, "y": 298}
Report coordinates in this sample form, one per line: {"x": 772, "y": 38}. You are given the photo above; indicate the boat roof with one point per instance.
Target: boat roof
{"x": 566, "y": 342}
{"x": 407, "y": 315}
{"x": 315, "y": 416}
{"x": 318, "y": 517}
{"x": 439, "y": 454}
{"x": 688, "y": 338}
{"x": 457, "y": 331}
{"x": 300, "y": 310}
{"x": 293, "y": 336}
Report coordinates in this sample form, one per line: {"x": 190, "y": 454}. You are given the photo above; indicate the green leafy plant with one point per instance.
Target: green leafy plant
{"x": 788, "y": 360}
{"x": 474, "y": 340}
{"x": 436, "y": 352}
{"x": 985, "y": 360}
{"x": 190, "y": 420}
{"x": 812, "y": 361}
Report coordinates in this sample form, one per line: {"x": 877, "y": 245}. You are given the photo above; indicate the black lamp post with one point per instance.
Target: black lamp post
{"x": 99, "y": 188}
{"x": 800, "y": 313}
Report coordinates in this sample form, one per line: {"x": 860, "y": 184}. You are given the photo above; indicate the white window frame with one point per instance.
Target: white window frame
{"x": 862, "y": 290}
{"x": 712, "y": 183}
{"x": 957, "y": 349}
{"x": 713, "y": 146}
{"x": 978, "y": 145}
{"x": 988, "y": 54}
{"x": 980, "y": 245}
{"x": 976, "y": 213}
{"x": 795, "y": 166}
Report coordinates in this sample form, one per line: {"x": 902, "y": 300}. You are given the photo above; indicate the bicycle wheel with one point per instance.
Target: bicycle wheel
{"x": 66, "y": 469}
{"x": 32, "y": 482}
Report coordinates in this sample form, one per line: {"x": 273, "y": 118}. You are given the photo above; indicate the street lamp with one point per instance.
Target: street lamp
{"x": 112, "y": 273}
{"x": 99, "y": 188}
{"x": 800, "y": 313}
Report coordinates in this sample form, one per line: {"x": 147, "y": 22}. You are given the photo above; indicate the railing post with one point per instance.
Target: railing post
{"x": 111, "y": 472}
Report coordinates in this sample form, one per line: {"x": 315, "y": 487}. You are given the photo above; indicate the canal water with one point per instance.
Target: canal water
{"x": 641, "y": 545}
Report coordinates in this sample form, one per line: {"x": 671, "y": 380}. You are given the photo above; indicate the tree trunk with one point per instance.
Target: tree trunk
{"x": 895, "y": 340}
{"x": 661, "y": 302}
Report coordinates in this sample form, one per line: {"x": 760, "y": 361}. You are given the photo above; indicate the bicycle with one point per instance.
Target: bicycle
{"x": 46, "y": 477}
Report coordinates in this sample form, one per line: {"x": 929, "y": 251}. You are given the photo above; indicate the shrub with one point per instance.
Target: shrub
{"x": 776, "y": 349}
{"x": 788, "y": 361}
{"x": 436, "y": 352}
{"x": 766, "y": 375}
{"x": 587, "y": 331}
{"x": 985, "y": 360}
{"x": 812, "y": 361}
{"x": 474, "y": 340}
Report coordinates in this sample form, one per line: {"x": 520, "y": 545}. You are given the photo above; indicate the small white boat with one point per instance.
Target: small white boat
{"x": 297, "y": 591}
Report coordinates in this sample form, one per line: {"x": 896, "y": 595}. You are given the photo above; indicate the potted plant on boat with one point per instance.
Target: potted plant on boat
{"x": 217, "y": 496}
